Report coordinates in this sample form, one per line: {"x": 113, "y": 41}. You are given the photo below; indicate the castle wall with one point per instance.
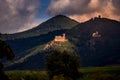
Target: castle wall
{"x": 60, "y": 38}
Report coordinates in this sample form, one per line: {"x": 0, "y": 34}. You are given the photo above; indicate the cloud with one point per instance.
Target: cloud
{"x": 28, "y": 26}
{"x": 82, "y": 10}
{"x": 14, "y": 14}
{"x": 32, "y": 24}
{"x": 116, "y": 4}
{"x": 68, "y": 7}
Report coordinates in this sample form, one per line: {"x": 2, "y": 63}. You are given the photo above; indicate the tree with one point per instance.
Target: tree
{"x": 63, "y": 63}
{"x": 5, "y": 51}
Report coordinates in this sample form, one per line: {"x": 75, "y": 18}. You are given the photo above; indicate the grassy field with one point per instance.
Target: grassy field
{"x": 97, "y": 73}
{"x": 101, "y": 73}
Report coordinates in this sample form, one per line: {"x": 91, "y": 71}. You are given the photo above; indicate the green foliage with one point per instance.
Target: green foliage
{"x": 6, "y": 51}
{"x": 101, "y": 73}
{"x": 61, "y": 77}
{"x": 27, "y": 75}
{"x": 62, "y": 63}
{"x": 100, "y": 76}
{"x": 95, "y": 73}
{"x": 65, "y": 46}
{"x": 61, "y": 47}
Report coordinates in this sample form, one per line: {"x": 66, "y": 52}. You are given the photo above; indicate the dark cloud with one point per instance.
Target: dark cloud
{"x": 116, "y": 4}
{"x": 15, "y": 14}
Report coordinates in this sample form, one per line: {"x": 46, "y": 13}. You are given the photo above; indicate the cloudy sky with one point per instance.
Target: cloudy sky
{"x": 20, "y": 15}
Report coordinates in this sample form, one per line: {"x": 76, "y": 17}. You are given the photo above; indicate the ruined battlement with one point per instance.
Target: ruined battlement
{"x": 96, "y": 34}
{"x": 60, "y": 38}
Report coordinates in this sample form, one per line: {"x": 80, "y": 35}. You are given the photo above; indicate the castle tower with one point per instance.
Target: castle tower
{"x": 64, "y": 36}
{"x": 96, "y": 34}
{"x": 99, "y": 16}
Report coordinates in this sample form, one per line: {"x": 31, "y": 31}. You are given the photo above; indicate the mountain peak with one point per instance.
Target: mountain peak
{"x": 60, "y": 15}
{"x": 62, "y": 18}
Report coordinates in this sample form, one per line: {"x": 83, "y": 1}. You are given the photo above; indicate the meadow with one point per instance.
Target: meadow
{"x": 88, "y": 73}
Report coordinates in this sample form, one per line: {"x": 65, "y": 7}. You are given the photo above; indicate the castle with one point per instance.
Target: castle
{"x": 60, "y": 38}
{"x": 96, "y": 34}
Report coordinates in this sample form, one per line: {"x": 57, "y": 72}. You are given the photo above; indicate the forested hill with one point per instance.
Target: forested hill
{"x": 98, "y": 41}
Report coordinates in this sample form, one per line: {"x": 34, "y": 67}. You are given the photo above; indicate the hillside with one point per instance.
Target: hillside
{"x": 34, "y": 59}
{"x": 98, "y": 41}
{"x": 59, "y": 22}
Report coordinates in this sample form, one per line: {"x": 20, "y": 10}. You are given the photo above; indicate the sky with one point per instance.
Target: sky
{"x": 20, "y": 15}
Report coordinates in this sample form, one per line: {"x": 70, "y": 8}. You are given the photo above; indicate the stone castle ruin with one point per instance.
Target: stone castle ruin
{"x": 56, "y": 42}
{"x": 96, "y": 34}
{"x": 60, "y": 38}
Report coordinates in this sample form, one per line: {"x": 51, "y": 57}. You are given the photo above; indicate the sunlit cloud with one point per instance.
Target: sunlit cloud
{"x": 28, "y": 26}
{"x": 83, "y": 10}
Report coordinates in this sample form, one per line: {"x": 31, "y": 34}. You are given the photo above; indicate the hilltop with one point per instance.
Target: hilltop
{"x": 60, "y": 43}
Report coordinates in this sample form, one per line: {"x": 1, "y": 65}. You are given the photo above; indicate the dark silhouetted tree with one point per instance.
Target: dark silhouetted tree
{"x": 63, "y": 63}
{"x": 5, "y": 52}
